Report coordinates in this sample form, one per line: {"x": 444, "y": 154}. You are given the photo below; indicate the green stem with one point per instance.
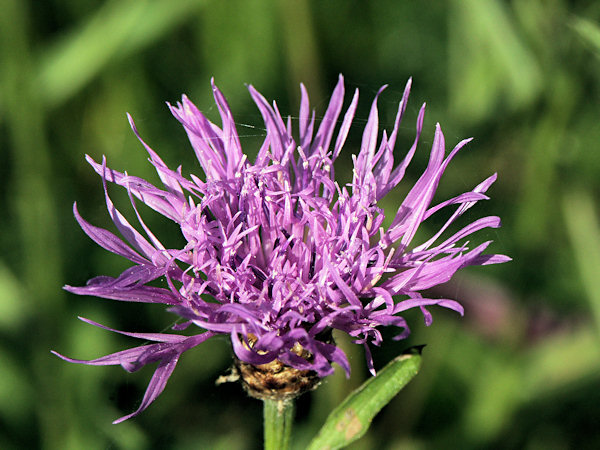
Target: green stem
{"x": 278, "y": 417}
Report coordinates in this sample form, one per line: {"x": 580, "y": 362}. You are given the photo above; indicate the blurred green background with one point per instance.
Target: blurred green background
{"x": 520, "y": 370}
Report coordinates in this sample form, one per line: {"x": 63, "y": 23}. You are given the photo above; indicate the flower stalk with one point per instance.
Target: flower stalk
{"x": 278, "y": 416}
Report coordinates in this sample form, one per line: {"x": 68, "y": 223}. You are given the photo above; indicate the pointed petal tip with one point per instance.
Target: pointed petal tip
{"x": 347, "y": 372}
{"x": 173, "y": 108}
{"x": 66, "y": 358}
{"x": 499, "y": 259}
{"x": 340, "y": 83}
{"x": 381, "y": 89}
{"x": 407, "y": 88}
{"x": 491, "y": 179}
{"x": 131, "y": 123}
{"x": 122, "y": 419}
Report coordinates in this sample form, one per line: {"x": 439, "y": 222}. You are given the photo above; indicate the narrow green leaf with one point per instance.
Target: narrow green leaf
{"x": 116, "y": 30}
{"x": 351, "y": 419}
{"x": 583, "y": 229}
{"x": 588, "y": 30}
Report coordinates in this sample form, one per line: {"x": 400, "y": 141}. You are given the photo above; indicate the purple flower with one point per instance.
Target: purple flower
{"x": 276, "y": 253}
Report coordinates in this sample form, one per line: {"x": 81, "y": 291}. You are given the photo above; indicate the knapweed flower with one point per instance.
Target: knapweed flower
{"x": 276, "y": 253}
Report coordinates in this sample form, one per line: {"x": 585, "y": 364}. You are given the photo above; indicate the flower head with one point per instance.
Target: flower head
{"x": 276, "y": 253}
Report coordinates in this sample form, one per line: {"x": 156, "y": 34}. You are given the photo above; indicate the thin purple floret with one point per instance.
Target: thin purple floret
{"x": 276, "y": 253}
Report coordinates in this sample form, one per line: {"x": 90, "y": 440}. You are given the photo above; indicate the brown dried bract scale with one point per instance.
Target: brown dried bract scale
{"x": 276, "y": 380}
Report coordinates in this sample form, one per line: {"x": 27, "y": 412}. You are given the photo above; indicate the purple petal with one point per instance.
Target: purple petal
{"x": 107, "y": 240}
{"x": 329, "y": 121}
{"x": 276, "y": 253}
{"x": 142, "y": 294}
{"x": 155, "y": 387}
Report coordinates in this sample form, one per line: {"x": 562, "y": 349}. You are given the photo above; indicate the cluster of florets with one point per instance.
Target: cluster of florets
{"x": 277, "y": 253}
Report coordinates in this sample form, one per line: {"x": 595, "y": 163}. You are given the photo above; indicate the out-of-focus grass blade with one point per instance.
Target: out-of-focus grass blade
{"x": 588, "y": 30}
{"x": 351, "y": 419}
{"x": 117, "y": 29}
{"x": 13, "y": 308}
{"x": 489, "y": 59}
{"x": 584, "y": 232}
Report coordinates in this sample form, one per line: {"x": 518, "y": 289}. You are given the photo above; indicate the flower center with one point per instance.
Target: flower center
{"x": 276, "y": 380}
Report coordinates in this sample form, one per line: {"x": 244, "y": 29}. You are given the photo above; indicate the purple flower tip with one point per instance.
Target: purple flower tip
{"x": 284, "y": 252}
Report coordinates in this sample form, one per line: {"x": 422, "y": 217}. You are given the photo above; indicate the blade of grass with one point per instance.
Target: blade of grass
{"x": 588, "y": 30}
{"x": 584, "y": 232}
{"x": 351, "y": 419}
{"x": 116, "y": 30}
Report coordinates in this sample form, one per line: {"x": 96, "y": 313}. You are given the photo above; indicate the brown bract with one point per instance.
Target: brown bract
{"x": 276, "y": 380}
